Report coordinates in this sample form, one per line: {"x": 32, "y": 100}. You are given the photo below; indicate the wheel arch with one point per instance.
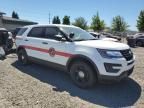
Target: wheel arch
{"x": 19, "y": 48}
{"x": 82, "y": 58}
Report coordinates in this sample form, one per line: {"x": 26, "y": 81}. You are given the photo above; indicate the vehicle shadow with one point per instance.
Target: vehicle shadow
{"x": 122, "y": 94}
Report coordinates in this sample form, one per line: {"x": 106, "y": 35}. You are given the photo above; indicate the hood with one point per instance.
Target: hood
{"x": 101, "y": 44}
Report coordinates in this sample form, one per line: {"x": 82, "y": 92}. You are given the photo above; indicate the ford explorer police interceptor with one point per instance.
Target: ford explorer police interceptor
{"x": 86, "y": 59}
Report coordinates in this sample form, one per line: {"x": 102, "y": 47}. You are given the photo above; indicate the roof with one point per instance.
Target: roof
{"x": 54, "y": 25}
{"x": 9, "y": 19}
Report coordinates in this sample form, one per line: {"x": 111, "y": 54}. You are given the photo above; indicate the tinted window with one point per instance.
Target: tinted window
{"x": 15, "y": 32}
{"x": 51, "y": 32}
{"x": 36, "y": 32}
{"x": 141, "y": 37}
{"x": 21, "y": 31}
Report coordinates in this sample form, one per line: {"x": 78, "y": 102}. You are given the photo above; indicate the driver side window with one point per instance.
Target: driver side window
{"x": 52, "y": 32}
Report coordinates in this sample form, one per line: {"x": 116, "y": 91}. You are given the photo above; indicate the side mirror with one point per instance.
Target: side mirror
{"x": 59, "y": 37}
{"x": 71, "y": 35}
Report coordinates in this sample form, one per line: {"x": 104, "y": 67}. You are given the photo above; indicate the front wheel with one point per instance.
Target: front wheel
{"x": 82, "y": 74}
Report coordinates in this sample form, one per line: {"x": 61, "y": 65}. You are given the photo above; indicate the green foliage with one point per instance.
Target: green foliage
{"x": 119, "y": 24}
{"x": 80, "y": 22}
{"x": 15, "y": 15}
{"x": 66, "y": 20}
{"x": 97, "y": 24}
{"x": 140, "y": 21}
{"x": 56, "y": 20}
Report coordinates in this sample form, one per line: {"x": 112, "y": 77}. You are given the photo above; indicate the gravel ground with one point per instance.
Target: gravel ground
{"x": 36, "y": 86}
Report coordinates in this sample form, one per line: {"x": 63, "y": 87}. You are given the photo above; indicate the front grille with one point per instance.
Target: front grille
{"x": 128, "y": 55}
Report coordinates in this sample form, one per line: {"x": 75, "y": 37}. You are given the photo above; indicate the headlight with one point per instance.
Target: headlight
{"x": 110, "y": 53}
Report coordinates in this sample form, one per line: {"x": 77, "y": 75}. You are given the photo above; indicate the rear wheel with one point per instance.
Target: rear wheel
{"x": 22, "y": 57}
{"x": 9, "y": 45}
{"x": 82, "y": 74}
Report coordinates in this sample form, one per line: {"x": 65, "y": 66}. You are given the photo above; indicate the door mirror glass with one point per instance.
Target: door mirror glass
{"x": 59, "y": 37}
{"x": 71, "y": 35}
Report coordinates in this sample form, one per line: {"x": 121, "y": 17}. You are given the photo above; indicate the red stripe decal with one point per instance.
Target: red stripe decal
{"x": 37, "y": 49}
{"x": 18, "y": 38}
{"x": 47, "y": 51}
{"x": 63, "y": 54}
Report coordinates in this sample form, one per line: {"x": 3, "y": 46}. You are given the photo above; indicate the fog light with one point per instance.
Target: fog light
{"x": 112, "y": 68}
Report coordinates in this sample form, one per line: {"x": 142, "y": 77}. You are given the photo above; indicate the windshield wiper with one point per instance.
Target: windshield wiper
{"x": 93, "y": 39}
{"x": 80, "y": 40}
{"x": 84, "y": 39}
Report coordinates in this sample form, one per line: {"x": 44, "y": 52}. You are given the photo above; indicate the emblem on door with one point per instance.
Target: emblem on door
{"x": 52, "y": 52}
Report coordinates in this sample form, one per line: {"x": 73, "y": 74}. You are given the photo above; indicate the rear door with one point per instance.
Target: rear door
{"x": 34, "y": 42}
{"x": 142, "y": 38}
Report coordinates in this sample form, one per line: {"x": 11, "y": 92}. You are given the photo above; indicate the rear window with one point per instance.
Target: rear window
{"x": 21, "y": 31}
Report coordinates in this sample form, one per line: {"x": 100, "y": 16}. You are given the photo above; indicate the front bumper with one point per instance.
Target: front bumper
{"x": 113, "y": 67}
{"x": 123, "y": 75}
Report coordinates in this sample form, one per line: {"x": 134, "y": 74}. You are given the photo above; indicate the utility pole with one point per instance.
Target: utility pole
{"x": 49, "y": 18}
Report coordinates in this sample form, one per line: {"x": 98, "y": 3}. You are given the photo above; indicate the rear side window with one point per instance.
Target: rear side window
{"x": 36, "y": 32}
{"x": 21, "y": 31}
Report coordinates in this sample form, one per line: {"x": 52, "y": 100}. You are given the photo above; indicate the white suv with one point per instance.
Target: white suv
{"x": 68, "y": 47}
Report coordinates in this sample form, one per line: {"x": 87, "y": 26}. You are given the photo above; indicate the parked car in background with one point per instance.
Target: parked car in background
{"x": 135, "y": 35}
{"x": 138, "y": 34}
{"x": 138, "y": 39}
{"x": 84, "y": 57}
{"x": 9, "y": 40}
{"x": 109, "y": 35}
{"x": 102, "y": 37}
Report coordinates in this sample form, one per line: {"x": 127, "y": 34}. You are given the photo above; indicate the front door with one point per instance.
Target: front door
{"x": 57, "y": 49}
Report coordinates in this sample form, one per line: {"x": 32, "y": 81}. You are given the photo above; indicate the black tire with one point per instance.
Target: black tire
{"x": 87, "y": 78}
{"x": 8, "y": 47}
{"x": 22, "y": 57}
{"x": 139, "y": 43}
{"x": 9, "y": 44}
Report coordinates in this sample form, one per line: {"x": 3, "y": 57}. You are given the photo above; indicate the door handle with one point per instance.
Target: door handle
{"x": 44, "y": 43}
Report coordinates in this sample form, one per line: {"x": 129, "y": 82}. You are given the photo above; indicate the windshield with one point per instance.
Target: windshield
{"x": 79, "y": 34}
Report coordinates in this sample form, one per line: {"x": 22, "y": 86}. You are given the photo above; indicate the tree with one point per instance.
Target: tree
{"x": 15, "y": 15}
{"x": 119, "y": 24}
{"x": 66, "y": 20}
{"x": 80, "y": 22}
{"x": 56, "y": 20}
{"x": 97, "y": 24}
{"x": 140, "y": 21}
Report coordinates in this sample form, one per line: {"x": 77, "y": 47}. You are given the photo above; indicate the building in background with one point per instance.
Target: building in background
{"x": 11, "y": 23}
